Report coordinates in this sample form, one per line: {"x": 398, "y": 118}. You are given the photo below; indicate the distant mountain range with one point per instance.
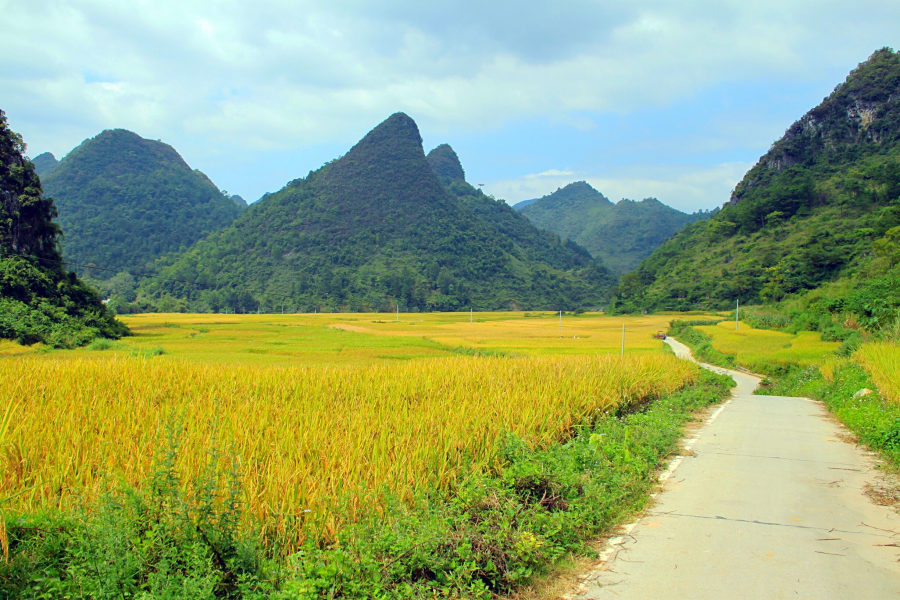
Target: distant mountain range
{"x": 124, "y": 201}
{"x": 621, "y": 235}
{"x": 383, "y": 226}
{"x": 822, "y": 204}
{"x": 524, "y": 203}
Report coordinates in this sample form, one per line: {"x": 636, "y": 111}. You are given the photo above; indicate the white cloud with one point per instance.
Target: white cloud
{"x": 550, "y": 173}
{"x": 234, "y": 77}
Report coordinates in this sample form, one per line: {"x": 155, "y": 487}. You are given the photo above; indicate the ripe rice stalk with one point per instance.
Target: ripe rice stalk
{"x": 315, "y": 444}
{"x": 881, "y": 360}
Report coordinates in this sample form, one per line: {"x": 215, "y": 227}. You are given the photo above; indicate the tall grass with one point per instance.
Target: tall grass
{"x": 881, "y": 360}
{"x": 313, "y": 444}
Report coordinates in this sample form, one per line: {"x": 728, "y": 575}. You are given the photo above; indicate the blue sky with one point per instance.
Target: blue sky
{"x": 665, "y": 99}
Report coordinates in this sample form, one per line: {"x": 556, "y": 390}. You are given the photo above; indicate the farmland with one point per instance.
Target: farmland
{"x": 881, "y": 360}
{"x": 355, "y": 339}
{"x": 411, "y": 414}
{"x": 752, "y": 347}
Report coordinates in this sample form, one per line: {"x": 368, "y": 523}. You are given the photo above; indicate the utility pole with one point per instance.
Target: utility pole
{"x": 623, "y": 339}
{"x": 471, "y": 316}
{"x": 737, "y": 312}
{"x": 398, "y": 312}
{"x": 560, "y": 323}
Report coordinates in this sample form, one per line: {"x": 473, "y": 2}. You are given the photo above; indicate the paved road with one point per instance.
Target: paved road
{"x": 768, "y": 505}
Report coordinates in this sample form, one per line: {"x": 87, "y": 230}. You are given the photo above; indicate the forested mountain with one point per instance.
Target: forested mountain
{"x": 621, "y": 235}
{"x": 530, "y": 242}
{"x": 39, "y": 300}
{"x": 124, "y": 201}
{"x": 44, "y": 164}
{"x": 822, "y": 203}
{"x": 524, "y": 203}
{"x": 373, "y": 230}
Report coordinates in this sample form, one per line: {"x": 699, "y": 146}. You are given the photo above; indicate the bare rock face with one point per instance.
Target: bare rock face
{"x": 864, "y": 111}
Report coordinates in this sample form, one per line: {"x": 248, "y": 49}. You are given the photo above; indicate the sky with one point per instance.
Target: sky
{"x": 674, "y": 100}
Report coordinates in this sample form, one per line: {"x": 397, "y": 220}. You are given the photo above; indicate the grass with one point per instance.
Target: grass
{"x": 881, "y": 360}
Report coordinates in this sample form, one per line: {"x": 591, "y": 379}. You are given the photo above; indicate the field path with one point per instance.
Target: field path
{"x": 768, "y": 502}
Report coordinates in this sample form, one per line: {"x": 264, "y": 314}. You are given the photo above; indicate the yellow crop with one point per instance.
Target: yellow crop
{"x": 360, "y": 339}
{"x": 881, "y": 360}
{"x": 763, "y": 346}
{"x": 306, "y": 437}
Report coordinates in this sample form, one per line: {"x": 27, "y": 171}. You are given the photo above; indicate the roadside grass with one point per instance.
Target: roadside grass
{"x": 493, "y": 530}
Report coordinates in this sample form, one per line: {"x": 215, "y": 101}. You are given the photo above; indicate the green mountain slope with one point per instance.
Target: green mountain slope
{"x": 44, "y": 164}
{"x": 621, "y": 235}
{"x": 807, "y": 213}
{"x": 370, "y": 231}
{"x": 39, "y": 300}
{"x": 124, "y": 201}
{"x": 524, "y": 203}
{"x": 529, "y": 242}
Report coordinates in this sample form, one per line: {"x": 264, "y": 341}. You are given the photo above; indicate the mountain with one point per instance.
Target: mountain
{"x": 621, "y": 235}
{"x": 445, "y": 164}
{"x": 44, "y": 163}
{"x": 818, "y": 206}
{"x": 39, "y": 300}
{"x": 124, "y": 201}
{"x": 524, "y": 203}
{"x": 534, "y": 244}
{"x": 373, "y": 230}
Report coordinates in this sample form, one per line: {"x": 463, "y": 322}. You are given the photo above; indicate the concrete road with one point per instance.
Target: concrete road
{"x": 768, "y": 503}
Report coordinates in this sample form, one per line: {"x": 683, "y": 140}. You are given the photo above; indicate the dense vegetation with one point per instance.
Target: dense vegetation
{"x": 823, "y": 205}
{"x": 533, "y": 244}
{"x": 621, "y": 235}
{"x": 374, "y": 230}
{"x": 124, "y": 201}
{"x": 39, "y": 300}
{"x": 44, "y": 164}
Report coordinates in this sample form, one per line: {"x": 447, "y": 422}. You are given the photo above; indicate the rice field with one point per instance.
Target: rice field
{"x": 763, "y": 346}
{"x": 314, "y": 441}
{"x": 358, "y": 339}
{"x": 881, "y": 360}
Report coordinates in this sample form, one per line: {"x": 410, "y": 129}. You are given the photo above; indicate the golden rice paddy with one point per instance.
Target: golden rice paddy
{"x": 757, "y": 346}
{"x": 309, "y": 433}
{"x": 881, "y": 360}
